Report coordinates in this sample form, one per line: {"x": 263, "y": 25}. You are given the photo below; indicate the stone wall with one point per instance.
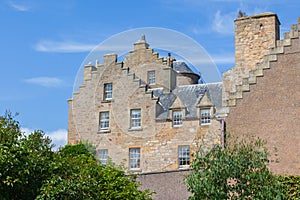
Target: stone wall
{"x": 270, "y": 107}
{"x": 167, "y": 185}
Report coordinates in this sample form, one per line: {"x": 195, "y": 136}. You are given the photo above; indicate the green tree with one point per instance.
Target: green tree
{"x": 24, "y": 160}
{"x": 238, "y": 171}
{"x": 76, "y": 174}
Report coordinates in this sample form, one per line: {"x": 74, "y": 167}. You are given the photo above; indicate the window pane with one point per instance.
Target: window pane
{"x": 134, "y": 158}
{"x": 151, "y": 77}
{"x": 104, "y": 120}
{"x": 108, "y": 91}
{"x": 205, "y": 116}
{"x": 135, "y": 116}
{"x": 103, "y": 156}
{"x": 183, "y": 156}
{"x": 177, "y": 118}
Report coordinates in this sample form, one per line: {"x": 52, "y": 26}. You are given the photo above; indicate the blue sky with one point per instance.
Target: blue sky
{"x": 43, "y": 44}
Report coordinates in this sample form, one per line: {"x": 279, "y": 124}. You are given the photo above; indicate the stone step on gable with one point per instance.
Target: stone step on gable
{"x": 236, "y": 95}
{"x": 231, "y": 102}
{"x": 258, "y": 72}
{"x": 243, "y": 88}
{"x": 276, "y": 50}
{"x": 294, "y": 32}
{"x": 284, "y": 42}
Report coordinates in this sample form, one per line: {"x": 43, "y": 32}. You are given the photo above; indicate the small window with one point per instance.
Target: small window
{"x": 205, "y": 116}
{"x": 151, "y": 77}
{"x": 177, "y": 118}
{"x": 107, "y": 91}
{"x": 104, "y": 120}
{"x": 135, "y": 118}
{"x": 103, "y": 156}
{"x": 183, "y": 156}
{"x": 134, "y": 158}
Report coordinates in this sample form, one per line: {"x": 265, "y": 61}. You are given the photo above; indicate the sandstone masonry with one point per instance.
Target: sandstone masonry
{"x": 169, "y": 111}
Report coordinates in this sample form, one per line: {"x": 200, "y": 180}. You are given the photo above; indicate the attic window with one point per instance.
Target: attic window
{"x": 205, "y": 116}
{"x": 177, "y": 118}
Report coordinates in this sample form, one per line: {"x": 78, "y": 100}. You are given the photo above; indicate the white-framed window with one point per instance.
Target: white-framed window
{"x": 104, "y": 120}
{"x": 135, "y": 118}
{"x": 177, "y": 118}
{"x": 107, "y": 91}
{"x": 134, "y": 158}
{"x": 205, "y": 116}
{"x": 151, "y": 77}
{"x": 103, "y": 156}
{"x": 183, "y": 156}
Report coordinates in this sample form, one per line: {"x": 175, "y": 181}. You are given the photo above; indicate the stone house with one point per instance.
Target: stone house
{"x": 152, "y": 113}
{"x": 148, "y": 112}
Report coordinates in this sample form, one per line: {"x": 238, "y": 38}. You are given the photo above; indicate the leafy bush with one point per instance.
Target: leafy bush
{"x": 76, "y": 174}
{"x": 24, "y": 160}
{"x": 291, "y": 186}
{"x": 238, "y": 171}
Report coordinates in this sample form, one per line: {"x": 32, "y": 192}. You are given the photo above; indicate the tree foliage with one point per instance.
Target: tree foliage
{"x": 76, "y": 174}
{"x": 29, "y": 169}
{"x": 238, "y": 171}
{"x": 24, "y": 160}
{"x": 291, "y": 186}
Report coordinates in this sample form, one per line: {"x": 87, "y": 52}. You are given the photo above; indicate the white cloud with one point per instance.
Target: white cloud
{"x": 71, "y": 47}
{"x": 224, "y": 23}
{"x": 63, "y": 47}
{"x": 27, "y": 131}
{"x": 223, "y": 59}
{"x": 58, "y": 137}
{"x": 45, "y": 81}
{"x": 19, "y": 7}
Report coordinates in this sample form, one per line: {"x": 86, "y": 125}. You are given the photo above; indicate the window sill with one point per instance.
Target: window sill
{"x": 107, "y": 101}
{"x": 205, "y": 124}
{"x": 177, "y": 126}
{"x": 135, "y": 170}
{"x": 104, "y": 131}
{"x": 184, "y": 167}
{"x": 135, "y": 129}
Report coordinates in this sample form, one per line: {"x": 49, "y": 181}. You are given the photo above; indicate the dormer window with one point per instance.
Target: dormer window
{"x": 205, "y": 116}
{"x": 108, "y": 91}
{"x": 177, "y": 118}
{"x": 151, "y": 77}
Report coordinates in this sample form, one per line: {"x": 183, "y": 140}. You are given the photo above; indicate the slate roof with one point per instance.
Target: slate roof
{"x": 189, "y": 96}
{"x": 180, "y": 66}
{"x": 215, "y": 93}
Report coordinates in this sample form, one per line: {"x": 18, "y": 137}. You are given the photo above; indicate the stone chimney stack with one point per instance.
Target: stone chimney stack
{"x": 254, "y": 36}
